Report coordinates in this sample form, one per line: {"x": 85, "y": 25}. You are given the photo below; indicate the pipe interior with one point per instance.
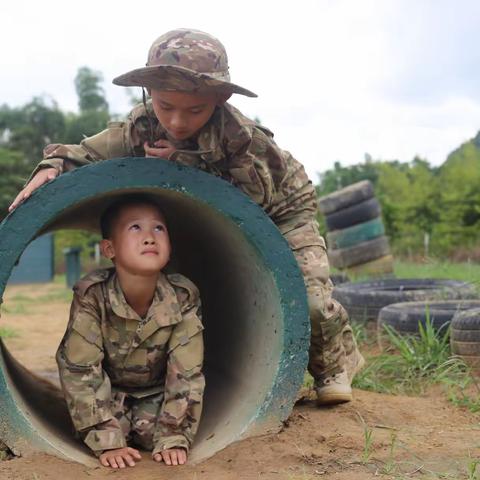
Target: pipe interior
{"x": 241, "y": 314}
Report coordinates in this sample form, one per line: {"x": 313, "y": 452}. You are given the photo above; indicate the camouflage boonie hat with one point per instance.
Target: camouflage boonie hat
{"x": 184, "y": 60}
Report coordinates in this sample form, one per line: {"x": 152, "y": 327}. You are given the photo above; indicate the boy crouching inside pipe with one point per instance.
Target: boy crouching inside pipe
{"x": 131, "y": 359}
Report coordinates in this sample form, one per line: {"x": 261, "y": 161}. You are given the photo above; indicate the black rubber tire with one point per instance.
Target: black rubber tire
{"x": 355, "y": 193}
{"x": 364, "y": 300}
{"x": 351, "y": 236}
{"x": 465, "y": 333}
{"x": 362, "y": 253}
{"x": 339, "y": 278}
{"x": 405, "y": 317}
{"x": 358, "y": 213}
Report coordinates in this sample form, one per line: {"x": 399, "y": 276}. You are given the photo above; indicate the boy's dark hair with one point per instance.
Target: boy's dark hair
{"x": 110, "y": 214}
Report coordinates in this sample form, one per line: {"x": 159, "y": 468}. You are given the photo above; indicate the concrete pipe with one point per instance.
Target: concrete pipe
{"x": 254, "y": 301}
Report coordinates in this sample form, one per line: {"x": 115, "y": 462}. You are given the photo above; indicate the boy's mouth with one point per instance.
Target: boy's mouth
{"x": 179, "y": 134}
{"x": 150, "y": 252}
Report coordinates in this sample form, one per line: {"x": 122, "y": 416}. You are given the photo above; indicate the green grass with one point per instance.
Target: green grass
{"x": 468, "y": 272}
{"x": 411, "y": 364}
{"x": 22, "y": 304}
{"x": 7, "y": 332}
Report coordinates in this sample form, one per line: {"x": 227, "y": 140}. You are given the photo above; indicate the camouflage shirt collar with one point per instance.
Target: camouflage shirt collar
{"x": 164, "y": 309}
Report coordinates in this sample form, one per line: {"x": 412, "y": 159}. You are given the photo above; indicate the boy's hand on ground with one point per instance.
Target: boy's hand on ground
{"x": 120, "y": 457}
{"x": 172, "y": 456}
{"x": 161, "y": 148}
{"x": 43, "y": 176}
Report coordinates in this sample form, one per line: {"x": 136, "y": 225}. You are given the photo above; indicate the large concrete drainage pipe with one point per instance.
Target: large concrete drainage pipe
{"x": 254, "y": 301}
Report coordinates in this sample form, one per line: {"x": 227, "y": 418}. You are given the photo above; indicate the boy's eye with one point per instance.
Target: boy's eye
{"x": 159, "y": 228}
{"x": 165, "y": 107}
{"x": 196, "y": 110}
{"x": 135, "y": 226}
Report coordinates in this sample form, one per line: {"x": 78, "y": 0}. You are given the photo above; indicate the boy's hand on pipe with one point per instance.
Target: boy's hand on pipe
{"x": 120, "y": 457}
{"x": 161, "y": 148}
{"x": 172, "y": 456}
{"x": 43, "y": 176}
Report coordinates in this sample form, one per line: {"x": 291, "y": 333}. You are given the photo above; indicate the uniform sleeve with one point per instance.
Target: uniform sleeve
{"x": 250, "y": 164}
{"x": 270, "y": 176}
{"x": 85, "y": 384}
{"x": 185, "y": 383}
{"x": 113, "y": 142}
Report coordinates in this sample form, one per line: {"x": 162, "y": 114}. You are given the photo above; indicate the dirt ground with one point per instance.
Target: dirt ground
{"x": 417, "y": 438}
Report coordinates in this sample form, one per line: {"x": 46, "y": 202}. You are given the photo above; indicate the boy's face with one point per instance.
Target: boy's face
{"x": 139, "y": 242}
{"x": 184, "y": 114}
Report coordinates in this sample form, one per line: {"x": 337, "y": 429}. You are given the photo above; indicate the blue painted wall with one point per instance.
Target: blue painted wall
{"x": 36, "y": 264}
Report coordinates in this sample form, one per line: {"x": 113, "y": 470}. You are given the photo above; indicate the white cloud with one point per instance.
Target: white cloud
{"x": 335, "y": 79}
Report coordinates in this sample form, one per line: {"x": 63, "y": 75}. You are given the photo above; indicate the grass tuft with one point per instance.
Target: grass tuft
{"x": 412, "y": 363}
{"x": 8, "y": 332}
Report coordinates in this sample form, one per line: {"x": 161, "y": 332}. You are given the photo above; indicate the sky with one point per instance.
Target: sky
{"x": 335, "y": 79}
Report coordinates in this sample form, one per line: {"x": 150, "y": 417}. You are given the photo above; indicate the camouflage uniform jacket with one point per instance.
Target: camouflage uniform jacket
{"x": 229, "y": 145}
{"x": 108, "y": 348}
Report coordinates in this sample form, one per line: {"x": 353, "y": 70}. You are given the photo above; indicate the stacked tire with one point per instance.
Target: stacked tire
{"x": 364, "y": 300}
{"x": 465, "y": 337}
{"x": 356, "y": 237}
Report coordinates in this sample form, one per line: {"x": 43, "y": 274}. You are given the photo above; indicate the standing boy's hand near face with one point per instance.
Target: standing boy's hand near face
{"x": 161, "y": 148}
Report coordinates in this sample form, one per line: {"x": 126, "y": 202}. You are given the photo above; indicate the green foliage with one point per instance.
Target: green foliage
{"x": 426, "y": 210}
{"x": 416, "y": 363}
{"x": 29, "y": 128}
{"x": 91, "y": 96}
{"x": 14, "y": 172}
{"x": 7, "y": 332}
{"x": 94, "y": 114}
{"x": 340, "y": 177}
{"x": 468, "y": 271}
{"x": 26, "y": 130}
{"x": 76, "y": 238}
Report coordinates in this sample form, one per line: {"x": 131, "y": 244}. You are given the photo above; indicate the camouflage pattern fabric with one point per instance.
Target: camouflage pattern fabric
{"x": 184, "y": 60}
{"x": 235, "y": 148}
{"x": 111, "y": 359}
{"x": 332, "y": 346}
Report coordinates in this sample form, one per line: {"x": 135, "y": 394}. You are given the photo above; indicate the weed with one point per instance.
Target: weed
{"x": 8, "y": 332}
{"x": 368, "y": 440}
{"x": 15, "y": 309}
{"x": 413, "y": 363}
{"x": 390, "y": 466}
{"x": 472, "y": 473}
{"x": 307, "y": 380}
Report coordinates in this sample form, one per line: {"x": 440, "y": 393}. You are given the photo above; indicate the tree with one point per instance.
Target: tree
{"x": 13, "y": 174}
{"x": 29, "y": 128}
{"x": 94, "y": 114}
{"x": 91, "y": 96}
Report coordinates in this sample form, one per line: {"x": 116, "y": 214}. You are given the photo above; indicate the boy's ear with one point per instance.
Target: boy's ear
{"x": 107, "y": 249}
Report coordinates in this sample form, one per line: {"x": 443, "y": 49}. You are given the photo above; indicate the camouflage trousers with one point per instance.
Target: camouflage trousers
{"x": 137, "y": 417}
{"x": 332, "y": 344}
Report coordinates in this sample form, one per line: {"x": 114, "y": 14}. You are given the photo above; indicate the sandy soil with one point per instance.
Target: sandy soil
{"x": 412, "y": 437}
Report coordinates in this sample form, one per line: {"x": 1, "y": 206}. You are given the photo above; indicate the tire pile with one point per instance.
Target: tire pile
{"x": 405, "y": 304}
{"x": 356, "y": 236}
{"x": 465, "y": 337}
{"x": 365, "y": 300}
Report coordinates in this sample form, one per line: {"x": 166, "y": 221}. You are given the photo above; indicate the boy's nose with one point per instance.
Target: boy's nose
{"x": 178, "y": 121}
{"x": 149, "y": 239}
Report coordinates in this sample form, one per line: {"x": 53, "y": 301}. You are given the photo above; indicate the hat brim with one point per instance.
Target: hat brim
{"x": 173, "y": 77}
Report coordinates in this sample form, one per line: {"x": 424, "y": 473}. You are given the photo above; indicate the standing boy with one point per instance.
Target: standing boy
{"x": 131, "y": 359}
{"x": 188, "y": 121}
